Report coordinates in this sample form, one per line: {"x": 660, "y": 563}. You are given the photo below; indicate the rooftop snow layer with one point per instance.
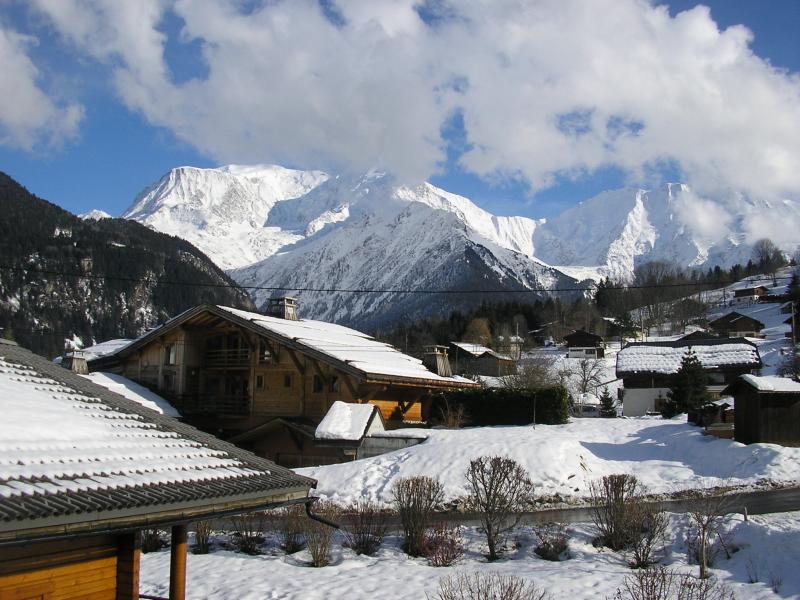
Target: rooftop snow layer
{"x": 666, "y": 358}
{"x": 345, "y": 421}
{"x": 101, "y": 349}
{"x": 357, "y": 349}
{"x": 772, "y": 383}
{"x": 133, "y": 391}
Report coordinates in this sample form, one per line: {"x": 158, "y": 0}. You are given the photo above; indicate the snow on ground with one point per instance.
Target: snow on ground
{"x": 666, "y": 455}
{"x": 133, "y": 391}
{"x": 765, "y": 549}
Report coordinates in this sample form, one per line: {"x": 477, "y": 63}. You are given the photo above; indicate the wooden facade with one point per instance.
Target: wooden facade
{"x": 735, "y": 324}
{"x": 582, "y": 344}
{"x": 765, "y": 417}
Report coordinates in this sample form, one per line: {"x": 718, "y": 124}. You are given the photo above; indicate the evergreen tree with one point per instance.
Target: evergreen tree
{"x": 689, "y": 388}
{"x": 608, "y": 405}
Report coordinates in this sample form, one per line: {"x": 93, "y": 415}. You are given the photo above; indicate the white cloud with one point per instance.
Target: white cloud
{"x": 28, "y": 117}
{"x": 707, "y": 220}
{"x": 546, "y": 87}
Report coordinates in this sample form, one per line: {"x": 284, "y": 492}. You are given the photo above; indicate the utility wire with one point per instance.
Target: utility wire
{"x": 593, "y": 288}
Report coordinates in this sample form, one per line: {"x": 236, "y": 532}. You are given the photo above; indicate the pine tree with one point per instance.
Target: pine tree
{"x": 608, "y": 406}
{"x": 689, "y": 389}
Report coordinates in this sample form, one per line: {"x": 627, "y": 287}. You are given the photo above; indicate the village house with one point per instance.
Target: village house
{"x": 750, "y": 294}
{"x": 582, "y": 344}
{"x": 766, "y": 410}
{"x": 647, "y": 369}
{"x": 476, "y": 359}
{"x": 735, "y": 324}
{"x": 266, "y": 381}
{"x": 86, "y": 469}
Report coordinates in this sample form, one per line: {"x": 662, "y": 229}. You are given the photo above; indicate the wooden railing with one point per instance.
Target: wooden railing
{"x": 233, "y": 404}
{"x": 238, "y": 357}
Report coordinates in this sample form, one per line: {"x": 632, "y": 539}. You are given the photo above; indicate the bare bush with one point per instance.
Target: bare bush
{"x": 152, "y": 539}
{"x": 248, "y": 532}
{"x": 489, "y": 586}
{"x": 649, "y": 540}
{"x": 364, "y": 527}
{"x": 416, "y": 498}
{"x": 452, "y": 415}
{"x": 287, "y": 524}
{"x": 500, "y": 490}
{"x": 553, "y": 541}
{"x": 202, "y": 536}
{"x": 444, "y": 545}
{"x": 707, "y": 536}
{"x": 658, "y": 583}
{"x": 319, "y": 536}
{"x": 535, "y": 372}
{"x": 615, "y": 510}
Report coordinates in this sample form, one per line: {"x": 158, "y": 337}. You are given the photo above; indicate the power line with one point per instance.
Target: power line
{"x": 593, "y": 288}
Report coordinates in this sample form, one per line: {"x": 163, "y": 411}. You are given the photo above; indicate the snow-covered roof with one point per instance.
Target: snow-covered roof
{"x": 73, "y": 453}
{"x": 665, "y": 357}
{"x": 345, "y": 345}
{"x": 477, "y": 350}
{"x": 133, "y": 391}
{"x": 102, "y": 349}
{"x": 348, "y": 421}
{"x": 772, "y": 383}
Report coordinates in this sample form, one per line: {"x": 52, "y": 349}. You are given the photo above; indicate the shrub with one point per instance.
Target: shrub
{"x": 319, "y": 536}
{"x": 443, "y": 545}
{"x": 287, "y": 524}
{"x": 615, "y": 510}
{"x": 500, "y": 489}
{"x": 202, "y": 535}
{"x": 152, "y": 540}
{"x": 364, "y": 527}
{"x": 706, "y": 537}
{"x": 505, "y": 406}
{"x": 648, "y": 541}
{"x": 553, "y": 541}
{"x": 452, "y": 416}
{"x": 490, "y": 586}
{"x": 661, "y": 584}
{"x": 416, "y": 498}
{"x": 248, "y": 532}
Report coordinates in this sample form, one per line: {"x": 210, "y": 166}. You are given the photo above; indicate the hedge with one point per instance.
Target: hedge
{"x": 501, "y": 406}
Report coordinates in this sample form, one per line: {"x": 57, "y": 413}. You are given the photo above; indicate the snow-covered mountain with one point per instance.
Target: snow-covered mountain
{"x": 273, "y": 227}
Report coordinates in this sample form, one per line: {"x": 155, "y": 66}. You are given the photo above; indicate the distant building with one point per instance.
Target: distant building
{"x": 735, "y": 324}
{"x": 582, "y": 344}
{"x": 475, "y": 359}
{"x": 766, "y": 410}
{"x": 92, "y": 468}
{"x": 750, "y": 293}
{"x": 647, "y": 369}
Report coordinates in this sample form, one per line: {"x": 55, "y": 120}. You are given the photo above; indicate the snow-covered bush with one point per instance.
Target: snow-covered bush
{"x": 202, "y": 535}
{"x": 416, "y": 498}
{"x": 500, "y": 490}
{"x": 364, "y": 527}
{"x": 443, "y": 545}
{"x": 553, "y": 541}
{"x": 319, "y": 536}
{"x": 489, "y": 586}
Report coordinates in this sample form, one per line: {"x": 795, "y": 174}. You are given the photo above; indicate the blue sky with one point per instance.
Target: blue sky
{"x": 125, "y": 140}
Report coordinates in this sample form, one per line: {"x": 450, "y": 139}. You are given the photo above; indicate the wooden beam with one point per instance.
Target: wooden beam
{"x": 177, "y": 563}
{"x": 372, "y": 392}
{"x": 351, "y": 387}
{"x": 297, "y": 364}
{"x": 318, "y": 369}
{"x": 128, "y": 555}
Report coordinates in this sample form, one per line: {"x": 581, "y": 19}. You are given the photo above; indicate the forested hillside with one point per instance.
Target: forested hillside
{"x": 61, "y": 276}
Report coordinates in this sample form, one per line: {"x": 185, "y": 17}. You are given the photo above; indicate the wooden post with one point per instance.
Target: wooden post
{"x": 128, "y": 552}
{"x": 177, "y": 563}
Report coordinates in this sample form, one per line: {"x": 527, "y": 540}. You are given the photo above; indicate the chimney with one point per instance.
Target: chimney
{"x": 283, "y": 308}
{"x": 435, "y": 359}
{"x": 75, "y": 361}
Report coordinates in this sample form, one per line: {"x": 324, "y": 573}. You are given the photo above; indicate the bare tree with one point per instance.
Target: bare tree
{"x": 535, "y": 372}
{"x": 478, "y": 332}
{"x": 584, "y": 376}
{"x": 708, "y": 519}
{"x": 500, "y": 489}
{"x": 416, "y": 498}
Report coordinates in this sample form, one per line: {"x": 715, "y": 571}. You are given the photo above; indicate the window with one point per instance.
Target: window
{"x": 170, "y": 354}
{"x": 259, "y": 382}
{"x": 263, "y": 352}
{"x": 287, "y": 380}
{"x": 334, "y": 387}
{"x": 317, "y": 387}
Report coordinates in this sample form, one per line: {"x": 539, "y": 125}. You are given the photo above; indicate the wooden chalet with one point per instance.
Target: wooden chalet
{"x": 752, "y": 293}
{"x": 582, "y": 344}
{"x": 266, "y": 381}
{"x": 766, "y": 410}
{"x": 735, "y": 324}
{"x": 647, "y": 369}
{"x": 476, "y": 359}
{"x": 84, "y": 469}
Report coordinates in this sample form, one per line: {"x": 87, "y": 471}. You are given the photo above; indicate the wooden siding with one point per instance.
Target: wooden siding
{"x": 75, "y": 569}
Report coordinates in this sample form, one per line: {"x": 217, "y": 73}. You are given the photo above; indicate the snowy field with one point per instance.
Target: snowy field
{"x": 764, "y": 550}
{"x": 667, "y": 456}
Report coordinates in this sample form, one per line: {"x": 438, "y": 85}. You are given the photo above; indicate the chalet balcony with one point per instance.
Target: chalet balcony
{"x": 227, "y": 359}
{"x": 216, "y": 404}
